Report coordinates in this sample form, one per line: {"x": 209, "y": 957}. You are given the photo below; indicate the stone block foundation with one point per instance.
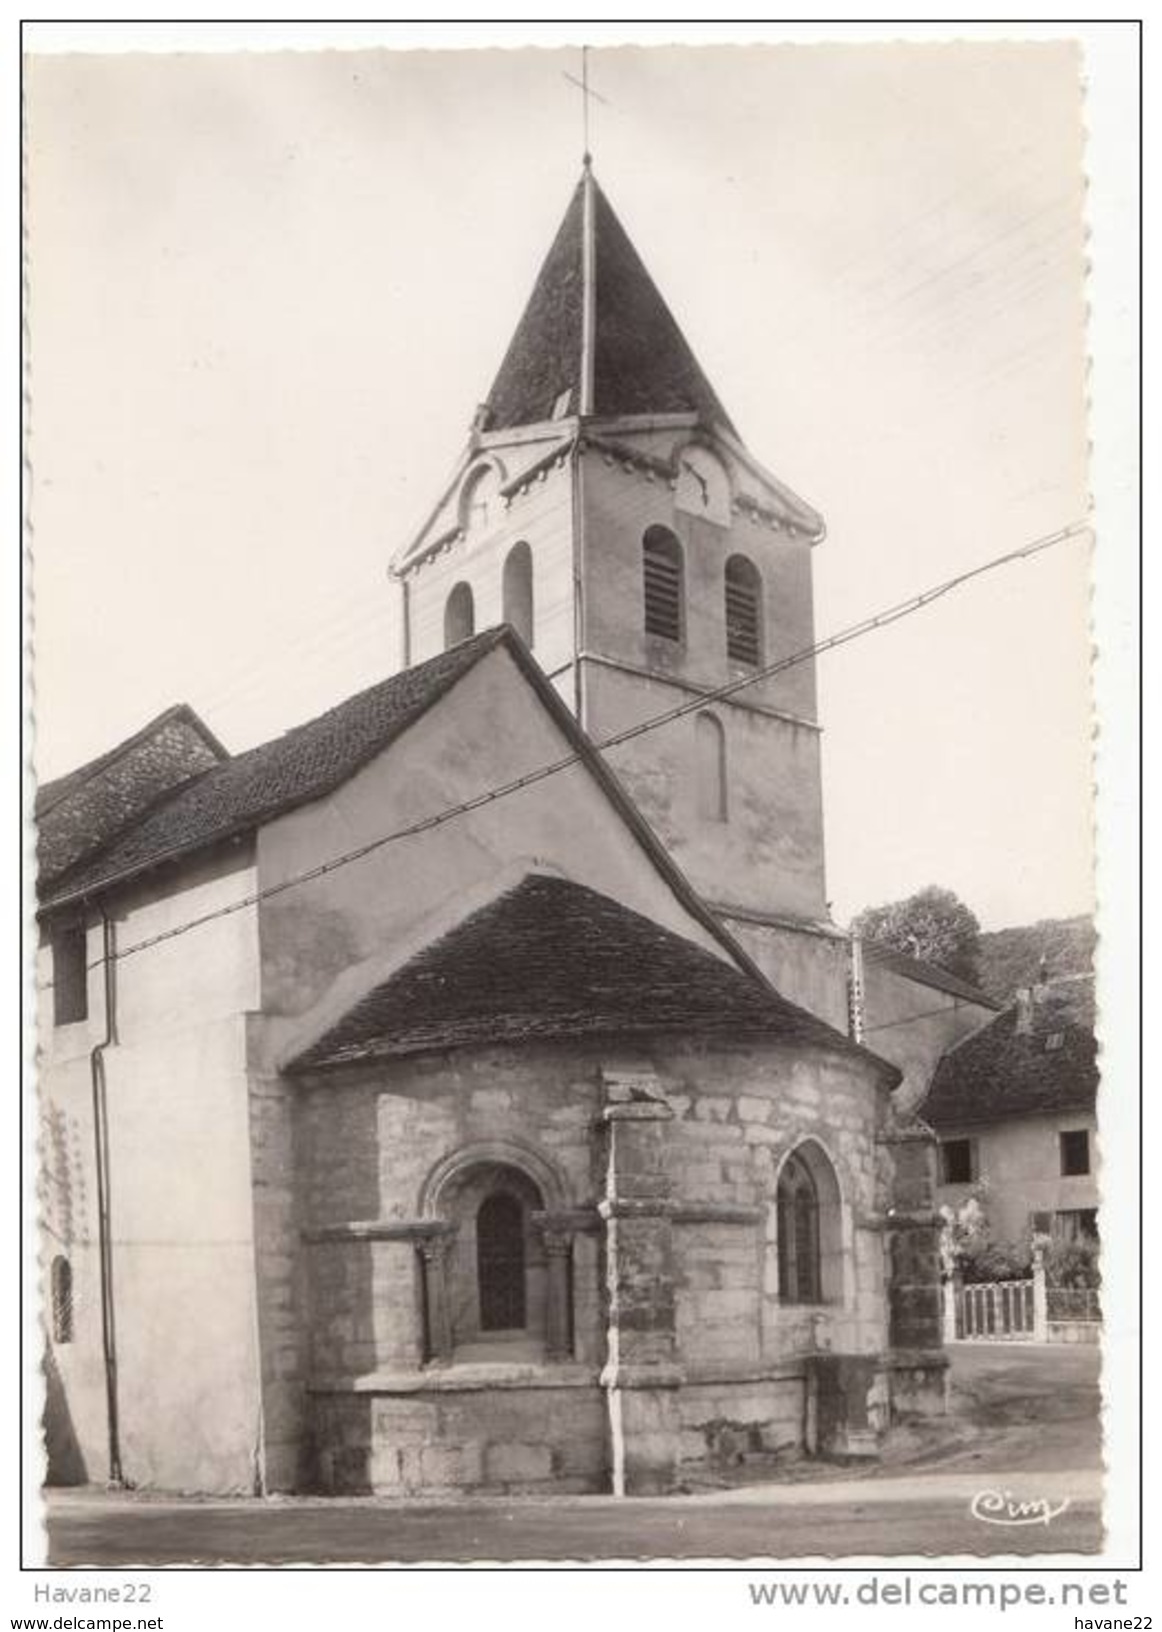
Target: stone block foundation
{"x": 431, "y": 1433}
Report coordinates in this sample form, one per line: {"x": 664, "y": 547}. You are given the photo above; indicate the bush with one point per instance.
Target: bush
{"x": 1072, "y": 1264}
{"x": 996, "y": 1261}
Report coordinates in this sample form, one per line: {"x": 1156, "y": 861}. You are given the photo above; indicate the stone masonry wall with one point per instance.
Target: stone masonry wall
{"x": 368, "y": 1145}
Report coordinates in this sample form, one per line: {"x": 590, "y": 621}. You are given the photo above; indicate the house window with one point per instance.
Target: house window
{"x": 744, "y": 593}
{"x": 662, "y": 583}
{"x": 1074, "y": 1153}
{"x": 518, "y": 591}
{"x": 61, "y": 1289}
{"x": 1075, "y": 1224}
{"x": 459, "y": 616}
{"x": 957, "y": 1161}
{"x": 710, "y": 751}
{"x": 70, "y": 976}
{"x": 798, "y": 1229}
{"x": 500, "y": 1262}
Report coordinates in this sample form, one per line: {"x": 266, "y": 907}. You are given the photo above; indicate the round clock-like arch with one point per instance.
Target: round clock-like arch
{"x": 703, "y": 485}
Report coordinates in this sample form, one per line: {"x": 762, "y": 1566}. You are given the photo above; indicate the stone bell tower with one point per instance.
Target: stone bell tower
{"x": 607, "y": 508}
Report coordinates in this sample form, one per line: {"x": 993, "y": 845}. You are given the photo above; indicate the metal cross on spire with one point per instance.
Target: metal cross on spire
{"x": 587, "y": 94}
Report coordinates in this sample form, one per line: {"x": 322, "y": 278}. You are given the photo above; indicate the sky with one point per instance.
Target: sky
{"x": 267, "y": 291}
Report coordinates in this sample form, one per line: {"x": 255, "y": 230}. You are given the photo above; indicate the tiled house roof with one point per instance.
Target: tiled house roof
{"x": 1001, "y": 1072}
{"x": 927, "y": 974}
{"x": 79, "y": 814}
{"x": 306, "y": 763}
{"x": 554, "y": 959}
{"x": 642, "y": 363}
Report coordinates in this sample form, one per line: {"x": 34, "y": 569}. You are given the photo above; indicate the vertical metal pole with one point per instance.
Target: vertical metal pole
{"x": 104, "y": 1228}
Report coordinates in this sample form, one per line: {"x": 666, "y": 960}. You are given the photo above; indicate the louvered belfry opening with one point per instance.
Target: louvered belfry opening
{"x": 743, "y": 611}
{"x": 662, "y": 583}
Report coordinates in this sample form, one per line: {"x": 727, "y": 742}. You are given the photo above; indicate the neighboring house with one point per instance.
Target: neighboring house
{"x": 401, "y": 1139}
{"x": 914, "y": 1012}
{"x": 1014, "y": 1108}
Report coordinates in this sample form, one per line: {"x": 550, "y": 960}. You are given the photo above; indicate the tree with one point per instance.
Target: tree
{"x": 933, "y": 924}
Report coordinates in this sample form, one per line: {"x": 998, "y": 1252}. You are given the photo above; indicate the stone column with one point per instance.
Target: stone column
{"x": 433, "y": 1250}
{"x": 1040, "y": 1296}
{"x": 916, "y": 1315}
{"x": 641, "y": 1375}
{"x": 952, "y": 1288}
{"x": 558, "y": 1256}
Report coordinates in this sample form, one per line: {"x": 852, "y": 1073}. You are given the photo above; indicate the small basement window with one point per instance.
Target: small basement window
{"x": 70, "y": 975}
{"x": 62, "y": 1300}
{"x": 1074, "y": 1153}
{"x": 957, "y": 1161}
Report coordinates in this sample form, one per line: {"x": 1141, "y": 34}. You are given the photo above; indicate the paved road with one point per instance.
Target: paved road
{"x": 872, "y": 1518}
{"x": 1026, "y": 1420}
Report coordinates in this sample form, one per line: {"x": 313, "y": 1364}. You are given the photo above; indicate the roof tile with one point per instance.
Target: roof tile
{"x": 303, "y": 764}
{"x": 555, "y": 959}
{"x": 1000, "y": 1072}
{"x": 642, "y": 363}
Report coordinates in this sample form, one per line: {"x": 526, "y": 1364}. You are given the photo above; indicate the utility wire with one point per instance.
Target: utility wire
{"x": 440, "y": 818}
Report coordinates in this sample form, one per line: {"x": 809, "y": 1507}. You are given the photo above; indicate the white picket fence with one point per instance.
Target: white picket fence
{"x": 1024, "y": 1311}
{"x": 997, "y": 1311}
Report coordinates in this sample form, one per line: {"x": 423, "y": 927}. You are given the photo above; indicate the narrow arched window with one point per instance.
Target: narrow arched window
{"x": 710, "y": 758}
{"x": 662, "y": 583}
{"x": 798, "y": 1234}
{"x": 744, "y": 622}
{"x": 518, "y": 591}
{"x": 500, "y": 1261}
{"x": 459, "y": 616}
{"x": 61, "y": 1276}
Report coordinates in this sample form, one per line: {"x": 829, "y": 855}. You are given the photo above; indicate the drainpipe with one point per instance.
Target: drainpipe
{"x": 104, "y": 1237}
{"x": 856, "y": 1013}
{"x": 405, "y": 621}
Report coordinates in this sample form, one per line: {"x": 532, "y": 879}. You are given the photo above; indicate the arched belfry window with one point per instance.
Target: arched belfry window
{"x": 662, "y": 583}
{"x": 518, "y": 591}
{"x": 744, "y": 618}
{"x": 809, "y": 1228}
{"x": 500, "y": 1262}
{"x": 459, "y": 615}
{"x": 710, "y": 760}
{"x": 61, "y": 1291}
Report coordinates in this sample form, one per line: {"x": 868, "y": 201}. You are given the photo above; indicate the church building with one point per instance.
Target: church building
{"x": 468, "y": 1090}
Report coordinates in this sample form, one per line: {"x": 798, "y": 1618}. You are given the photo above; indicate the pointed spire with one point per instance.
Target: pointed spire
{"x": 588, "y": 289}
{"x": 596, "y": 336}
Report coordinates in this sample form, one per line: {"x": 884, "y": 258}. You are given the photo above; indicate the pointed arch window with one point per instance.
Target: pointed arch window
{"x": 744, "y": 599}
{"x": 662, "y": 583}
{"x": 518, "y": 591}
{"x": 459, "y": 615}
{"x": 798, "y": 1226}
{"x": 710, "y": 758}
